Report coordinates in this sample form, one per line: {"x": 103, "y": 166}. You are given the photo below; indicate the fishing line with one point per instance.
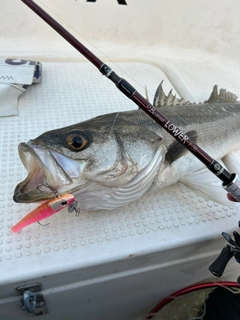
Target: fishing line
{"x": 230, "y": 182}
{"x": 110, "y": 60}
{"x": 114, "y": 63}
{"x": 124, "y": 72}
{"x": 97, "y": 49}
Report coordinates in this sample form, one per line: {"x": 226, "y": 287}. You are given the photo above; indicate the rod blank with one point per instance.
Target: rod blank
{"x": 126, "y": 88}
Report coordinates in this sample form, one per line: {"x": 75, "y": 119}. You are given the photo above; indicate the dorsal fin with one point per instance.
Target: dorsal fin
{"x": 161, "y": 100}
{"x": 159, "y": 97}
{"x": 146, "y": 94}
{"x": 222, "y": 96}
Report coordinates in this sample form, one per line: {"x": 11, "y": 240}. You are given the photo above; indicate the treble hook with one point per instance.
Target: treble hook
{"x": 73, "y": 207}
{"x": 43, "y": 225}
{"x": 49, "y": 187}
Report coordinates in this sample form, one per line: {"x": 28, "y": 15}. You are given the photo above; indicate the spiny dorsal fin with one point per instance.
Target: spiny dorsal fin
{"x": 146, "y": 93}
{"x": 161, "y": 100}
{"x": 159, "y": 97}
{"x": 222, "y": 96}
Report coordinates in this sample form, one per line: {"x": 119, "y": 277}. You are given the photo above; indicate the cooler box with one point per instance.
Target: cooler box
{"x": 112, "y": 264}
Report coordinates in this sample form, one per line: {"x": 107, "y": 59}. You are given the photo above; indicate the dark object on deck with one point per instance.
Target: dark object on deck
{"x": 222, "y": 304}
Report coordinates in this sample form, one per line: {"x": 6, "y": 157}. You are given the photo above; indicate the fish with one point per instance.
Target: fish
{"x": 114, "y": 159}
{"x": 45, "y": 210}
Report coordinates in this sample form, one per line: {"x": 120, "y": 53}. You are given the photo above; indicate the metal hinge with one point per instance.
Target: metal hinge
{"x": 33, "y": 302}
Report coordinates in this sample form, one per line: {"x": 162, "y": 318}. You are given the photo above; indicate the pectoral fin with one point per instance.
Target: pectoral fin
{"x": 177, "y": 150}
{"x": 232, "y": 161}
{"x": 208, "y": 186}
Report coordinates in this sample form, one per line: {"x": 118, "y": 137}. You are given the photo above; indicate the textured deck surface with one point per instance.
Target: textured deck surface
{"x": 71, "y": 93}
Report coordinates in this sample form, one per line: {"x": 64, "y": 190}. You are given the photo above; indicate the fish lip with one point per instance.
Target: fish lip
{"x": 31, "y": 196}
{"x": 38, "y": 171}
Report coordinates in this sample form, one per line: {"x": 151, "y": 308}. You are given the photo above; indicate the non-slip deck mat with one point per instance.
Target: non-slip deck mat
{"x": 70, "y": 93}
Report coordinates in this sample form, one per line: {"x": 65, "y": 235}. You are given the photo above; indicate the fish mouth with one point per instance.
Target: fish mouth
{"x": 46, "y": 175}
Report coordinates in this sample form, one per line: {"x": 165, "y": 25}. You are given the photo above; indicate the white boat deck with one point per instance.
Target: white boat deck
{"x": 140, "y": 252}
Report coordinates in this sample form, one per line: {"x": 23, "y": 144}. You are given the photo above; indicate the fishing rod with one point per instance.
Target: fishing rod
{"x": 230, "y": 181}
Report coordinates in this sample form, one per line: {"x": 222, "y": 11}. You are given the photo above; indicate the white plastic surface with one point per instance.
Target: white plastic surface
{"x": 168, "y": 220}
{"x": 161, "y": 243}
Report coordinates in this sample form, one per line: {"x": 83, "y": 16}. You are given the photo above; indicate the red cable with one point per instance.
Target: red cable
{"x": 189, "y": 289}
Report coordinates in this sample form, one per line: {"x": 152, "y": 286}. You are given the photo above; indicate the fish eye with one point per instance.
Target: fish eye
{"x": 77, "y": 141}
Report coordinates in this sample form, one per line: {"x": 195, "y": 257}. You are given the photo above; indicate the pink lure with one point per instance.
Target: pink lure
{"x": 44, "y": 211}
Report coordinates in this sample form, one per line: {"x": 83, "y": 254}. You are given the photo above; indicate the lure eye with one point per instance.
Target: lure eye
{"x": 64, "y": 203}
{"x": 77, "y": 141}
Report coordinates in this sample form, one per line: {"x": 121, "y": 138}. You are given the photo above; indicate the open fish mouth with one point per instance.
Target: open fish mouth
{"x": 46, "y": 174}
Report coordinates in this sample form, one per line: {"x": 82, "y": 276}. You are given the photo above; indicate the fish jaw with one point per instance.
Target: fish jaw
{"x": 46, "y": 175}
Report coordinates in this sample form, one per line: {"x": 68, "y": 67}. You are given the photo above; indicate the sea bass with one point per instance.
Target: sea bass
{"x": 114, "y": 159}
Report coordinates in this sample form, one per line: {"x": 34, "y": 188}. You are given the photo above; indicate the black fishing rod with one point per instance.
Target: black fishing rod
{"x": 230, "y": 182}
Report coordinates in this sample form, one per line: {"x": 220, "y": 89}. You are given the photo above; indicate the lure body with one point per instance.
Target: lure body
{"x": 44, "y": 211}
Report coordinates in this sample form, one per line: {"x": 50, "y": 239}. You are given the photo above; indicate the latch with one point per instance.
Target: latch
{"x": 33, "y": 302}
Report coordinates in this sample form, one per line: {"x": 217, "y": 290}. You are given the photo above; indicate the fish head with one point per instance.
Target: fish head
{"x": 89, "y": 160}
